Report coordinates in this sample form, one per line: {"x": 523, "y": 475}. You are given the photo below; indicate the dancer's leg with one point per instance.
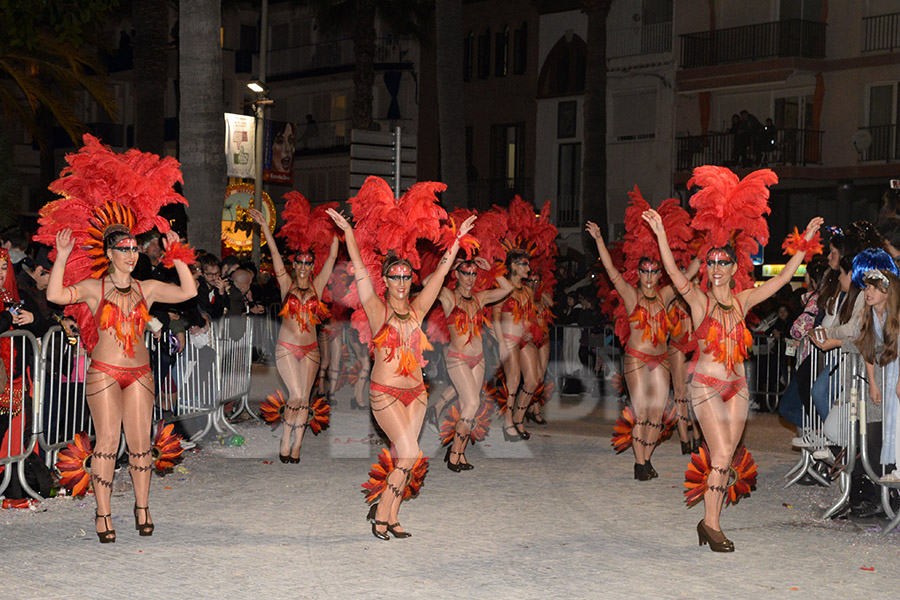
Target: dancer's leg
{"x": 137, "y": 419}
{"x": 638, "y": 392}
{"x": 467, "y": 382}
{"x": 402, "y": 425}
{"x": 105, "y": 401}
{"x": 657, "y": 397}
{"x": 298, "y": 377}
{"x": 335, "y": 350}
{"x": 512, "y": 369}
{"x": 530, "y": 374}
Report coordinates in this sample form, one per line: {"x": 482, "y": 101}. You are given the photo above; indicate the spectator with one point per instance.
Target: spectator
{"x": 15, "y": 241}
{"x": 32, "y": 282}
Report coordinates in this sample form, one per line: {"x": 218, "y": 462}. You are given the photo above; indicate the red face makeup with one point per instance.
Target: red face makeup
{"x": 128, "y": 244}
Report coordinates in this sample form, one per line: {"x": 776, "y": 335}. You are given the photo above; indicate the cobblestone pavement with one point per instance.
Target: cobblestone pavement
{"x": 558, "y": 516}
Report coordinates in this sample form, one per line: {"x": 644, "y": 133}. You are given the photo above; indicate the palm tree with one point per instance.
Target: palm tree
{"x": 594, "y": 163}
{"x": 451, "y": 102}
{"x": 151, "y": 73}
{"x": 200, "y": 117}
{"x": 404, "y": 17}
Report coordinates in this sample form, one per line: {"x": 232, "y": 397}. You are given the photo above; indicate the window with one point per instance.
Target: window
{"x": 568, "y": 186}
{"x": 634, "y": 116}
{"x": 484, "y": 55}
{"x": 468, "y": 56}
{"x": 883, "y": 117}
{"x": 520, "y": 49}
{"x": 501, "y": 58}
{"x": 507, "y": 151}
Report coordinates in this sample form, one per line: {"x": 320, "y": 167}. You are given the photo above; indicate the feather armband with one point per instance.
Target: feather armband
{"x": 795, "y": 242}
{"x": 179, "y": 251}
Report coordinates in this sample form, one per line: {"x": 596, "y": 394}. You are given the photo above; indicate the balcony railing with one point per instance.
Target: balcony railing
{"x": 568, "y": 211}
{"x": 641, "y": 39}
{"x": 790, "y": 38}
{"x": 885, "y": 144}
{"x": 786, "y": 147}
{"x": 484, "y": 193}
{"x": 338, "y": 53}
{"x": 328, "y": 135}
{"x": 881, "y": 32}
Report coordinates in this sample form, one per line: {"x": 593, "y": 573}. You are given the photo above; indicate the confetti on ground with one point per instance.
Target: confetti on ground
{"x": 867, "y": 568}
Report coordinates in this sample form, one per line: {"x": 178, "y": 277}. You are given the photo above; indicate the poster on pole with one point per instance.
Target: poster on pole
{"x": 240, "y": 140}
{"x": 278, "y": 151}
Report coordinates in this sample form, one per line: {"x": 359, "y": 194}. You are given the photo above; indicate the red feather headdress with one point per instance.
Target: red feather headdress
{"x": 308, "y": 229}
{"x": 731, "y": 211}
{"x": 100, "y": 188}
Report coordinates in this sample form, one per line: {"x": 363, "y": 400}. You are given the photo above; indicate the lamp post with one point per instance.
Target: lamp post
{"x": 261, "y": 89}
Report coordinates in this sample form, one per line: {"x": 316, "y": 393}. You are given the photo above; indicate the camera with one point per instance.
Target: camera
{"x": 895, "y": 184}
{"x": 15, "y": 307}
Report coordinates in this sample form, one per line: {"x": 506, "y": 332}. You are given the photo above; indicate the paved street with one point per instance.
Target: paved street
{"x": 559, "y": 516}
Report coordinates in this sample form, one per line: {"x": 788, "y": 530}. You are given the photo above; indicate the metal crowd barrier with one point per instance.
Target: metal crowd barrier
{"x": 813, "y": 423}
{"x": 208, "y": 372}
{"x": 769, "y": 370}
{"x": 19, "y": 433}
{"x": 195, "y": 382}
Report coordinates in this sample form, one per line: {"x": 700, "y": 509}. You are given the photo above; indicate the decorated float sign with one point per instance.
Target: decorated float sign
{"x": 237, "y": 226}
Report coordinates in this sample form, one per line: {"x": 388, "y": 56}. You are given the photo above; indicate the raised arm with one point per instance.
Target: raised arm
{"x": 367, "y": 297}
{"x": 680, "y": 281}
{"x": 628, "y": 293}
{"x": 756, "y": 295}
{"x": 422, "y": 303}
{"x": 281, "y": 275}
{"x": 157, "y": 291}
{"x": 504, "y": 287}
{"x": 83, "y": 291}
{"x": 325, "y": 274}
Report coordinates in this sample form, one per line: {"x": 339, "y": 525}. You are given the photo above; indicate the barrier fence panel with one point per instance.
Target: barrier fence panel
{"x": 769, "y": 370}
{"x": 19, "y": 406}
{"x": 65, "y": 411}
{"x": 234, "y": 355}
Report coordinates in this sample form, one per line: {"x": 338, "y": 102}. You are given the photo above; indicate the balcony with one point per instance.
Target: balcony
{"x": 881, "y": 33}
{"x": 638, "y": 40}
{"x": 334, "y": 136}
{"x": 788, "y": 147}
{"x": 326, "y": 56}
{"x": 568, "y": 211}
{"x": 484, "y": 193}
{"x": 780, "y": 39}
{"x": 885, "y": 145}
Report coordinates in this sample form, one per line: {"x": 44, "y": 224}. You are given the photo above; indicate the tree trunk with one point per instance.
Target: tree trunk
{"x": 151, "y": 77}
{"x": 201, "y": 121}
{"x": 451, "y": 101}
{"x": 364, "y": 73}
{"x": 593, "y": 186}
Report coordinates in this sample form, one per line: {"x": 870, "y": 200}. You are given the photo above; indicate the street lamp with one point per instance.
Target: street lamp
{"x": 261, "y": 90}
{"x": 258, "y": 87}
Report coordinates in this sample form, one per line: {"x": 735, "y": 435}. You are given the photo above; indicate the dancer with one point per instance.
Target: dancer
{"x": 642, "y": 322}
{"x": 297, "y": 355}
{"x": 680, "y": 347}
{"x": 397, "y": 390}
{"x": 543, "y": 306}
{"x": 464, "y": 309}
{"x": 108, "y": 198}
{"x": 516, "y": 319}
{"x": 731, "y": 215}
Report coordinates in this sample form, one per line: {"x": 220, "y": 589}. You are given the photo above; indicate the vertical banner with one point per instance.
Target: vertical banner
{"x": 240, "y": 140}
{"x": 278, "y": 153}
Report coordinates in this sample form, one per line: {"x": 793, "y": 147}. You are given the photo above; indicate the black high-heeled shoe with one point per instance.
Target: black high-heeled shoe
{"x": 354, "y": 405}
{"x": 522, "y": 433}
{"x": 145, "y": 529}
{"x": 285, "y": 458}
{"x": 704, "y": 535}
{"x": 370, "y": 516}
{"x": 641, "y": 473}
{"x": 109, "y": 535}
{"x": 511, "y": 437}
{"x": 687, "y": 448}
{"x": 381, "y": 536}
{"x": 538, "y": 419}
{"x": 398, "y": 534}
{"x": 697, "y": 443}
{"x": 455, "y": 467}
{"x": 650, "y": 470}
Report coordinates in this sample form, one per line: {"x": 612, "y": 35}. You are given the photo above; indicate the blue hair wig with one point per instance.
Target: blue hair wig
{"x": 871, "y": 258}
